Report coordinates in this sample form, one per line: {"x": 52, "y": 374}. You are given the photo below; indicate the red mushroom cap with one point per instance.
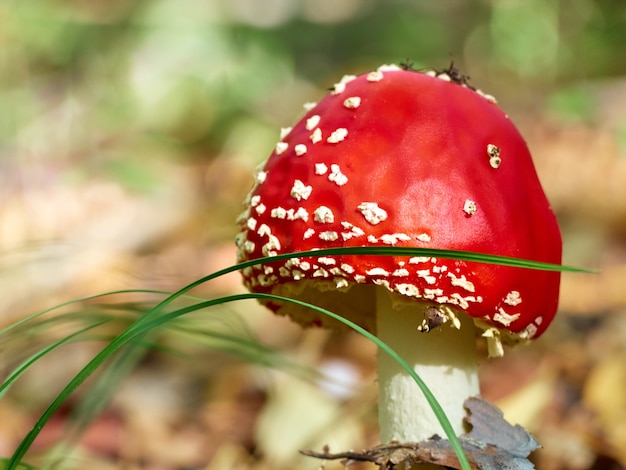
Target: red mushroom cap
{"x": 397, "y": 157}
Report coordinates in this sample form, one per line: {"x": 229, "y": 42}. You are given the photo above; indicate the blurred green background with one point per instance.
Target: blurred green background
{"x": 129, "y": 131}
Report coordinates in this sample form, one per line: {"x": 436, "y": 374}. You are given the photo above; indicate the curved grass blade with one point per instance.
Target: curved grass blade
{"x": 430, "y": 252}
{"x": 17, "y": 373}
{"x": 22, "y": 466}
{"x": 143, "y": 325}
{"x": 148, "y": 320}
{"x": 96, "y": 400}
{"x": 377, "y": 251}
{"x": 34, "y": 316}
{"x": 428, "y": 395}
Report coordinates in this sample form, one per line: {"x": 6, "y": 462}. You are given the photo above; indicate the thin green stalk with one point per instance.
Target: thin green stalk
{"x": 377, "y": 251}
{"x": 152, "y": 319}
{"x": 34, "y": 316}
{"x": 141, "y": 327}
{"x": 17, "y": 373}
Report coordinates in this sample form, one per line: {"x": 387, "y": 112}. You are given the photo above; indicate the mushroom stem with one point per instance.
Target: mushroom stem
{"x": 445, "y": 359}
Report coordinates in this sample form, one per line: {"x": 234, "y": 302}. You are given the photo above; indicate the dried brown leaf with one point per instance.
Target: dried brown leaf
{"x": 492, "y": 444}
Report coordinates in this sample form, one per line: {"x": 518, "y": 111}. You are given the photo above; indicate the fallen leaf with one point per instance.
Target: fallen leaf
{"x": 492, "y": 444}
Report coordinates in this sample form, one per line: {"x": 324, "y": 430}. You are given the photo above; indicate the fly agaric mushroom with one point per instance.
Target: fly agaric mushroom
{"x": 397, "y": 157}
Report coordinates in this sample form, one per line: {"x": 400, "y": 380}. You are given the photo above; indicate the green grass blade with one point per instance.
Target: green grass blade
{"x": 430, "y": 398}
{"x": 372, "y": 250}
{"x": 22, "y": 466}
{"x": 34, "y": 316}
{"x": 17, "y": 373}
{"x": 140, "y": 328}
{"x": 430, "y": 252}
{"x": 247, "y": 350}
{"x": 153, "y": 318}
{"x": 428, "y": 395}
{"x": 109, "y": 379}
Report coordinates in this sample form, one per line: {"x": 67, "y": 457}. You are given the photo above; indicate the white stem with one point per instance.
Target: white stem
{"x": 445, "y": 358}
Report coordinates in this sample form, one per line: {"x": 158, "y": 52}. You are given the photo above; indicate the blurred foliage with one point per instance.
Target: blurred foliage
{"x": 95, "y": 80}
